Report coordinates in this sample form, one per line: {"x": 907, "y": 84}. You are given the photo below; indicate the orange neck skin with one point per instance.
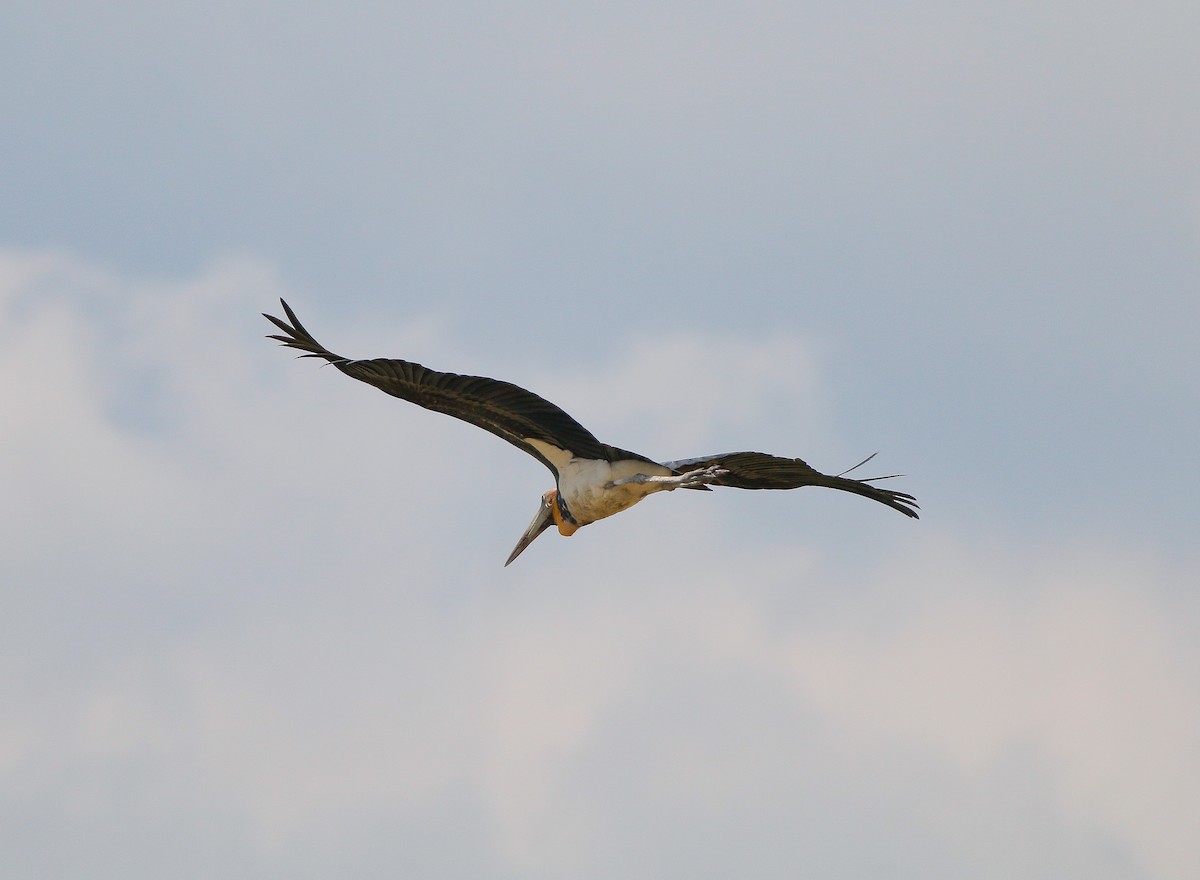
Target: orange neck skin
{"x": 565, "y": 528}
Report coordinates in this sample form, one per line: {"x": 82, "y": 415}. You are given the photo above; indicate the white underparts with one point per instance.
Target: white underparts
{"x": 587, "y": 485}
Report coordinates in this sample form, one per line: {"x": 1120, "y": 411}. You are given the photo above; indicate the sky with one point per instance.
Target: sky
{"x": 255, "y": 619}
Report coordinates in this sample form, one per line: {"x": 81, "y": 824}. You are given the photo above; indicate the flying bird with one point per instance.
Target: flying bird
{"x": 592, "y": 479}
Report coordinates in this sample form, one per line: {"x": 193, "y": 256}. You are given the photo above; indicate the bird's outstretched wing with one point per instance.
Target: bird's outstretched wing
{"x": 758, "y": 470}
{"x": 502, "y": 408}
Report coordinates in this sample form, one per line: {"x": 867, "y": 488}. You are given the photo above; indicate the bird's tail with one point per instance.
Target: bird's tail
{"x": 299, "y": 338}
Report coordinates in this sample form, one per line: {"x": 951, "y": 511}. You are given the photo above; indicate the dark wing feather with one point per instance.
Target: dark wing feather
{"x": 612, "y": 453}
{"x": 758, "y": 470}
{"x": 502, "y": 408}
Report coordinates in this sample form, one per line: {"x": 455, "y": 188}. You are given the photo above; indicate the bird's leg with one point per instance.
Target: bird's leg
{"x": 698, "y": 477}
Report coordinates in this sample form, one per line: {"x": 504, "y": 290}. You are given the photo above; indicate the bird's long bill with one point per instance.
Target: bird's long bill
{"x": 540, "y": 523}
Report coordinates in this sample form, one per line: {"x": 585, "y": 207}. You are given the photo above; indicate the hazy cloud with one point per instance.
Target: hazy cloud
{"x": 250, "y": 627}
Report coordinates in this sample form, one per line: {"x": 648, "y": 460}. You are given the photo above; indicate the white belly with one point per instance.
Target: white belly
{"x": 581, "y": 482}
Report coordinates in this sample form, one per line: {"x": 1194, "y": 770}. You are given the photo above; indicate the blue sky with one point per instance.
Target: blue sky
{"x": 255, "y": 616}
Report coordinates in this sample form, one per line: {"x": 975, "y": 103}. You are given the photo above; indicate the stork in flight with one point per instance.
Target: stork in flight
{"x": 592, "y": 479}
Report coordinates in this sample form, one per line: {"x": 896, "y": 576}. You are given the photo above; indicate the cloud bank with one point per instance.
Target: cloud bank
{"x": 251, "y": 628}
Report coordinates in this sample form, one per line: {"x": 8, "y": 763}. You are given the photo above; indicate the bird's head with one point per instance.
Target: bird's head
{"x": 549, "y": 513}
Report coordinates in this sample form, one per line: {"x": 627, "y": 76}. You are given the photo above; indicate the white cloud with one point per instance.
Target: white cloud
{"x": 677, "y": 395}
{"x": 241, "y": 617}
{"x": 1075, "y": 657}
